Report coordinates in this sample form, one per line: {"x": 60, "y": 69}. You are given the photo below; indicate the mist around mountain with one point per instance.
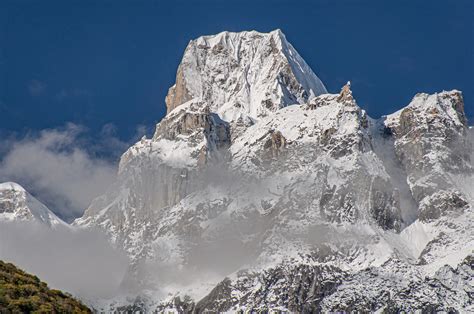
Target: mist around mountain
{"x": 261, "y": 191}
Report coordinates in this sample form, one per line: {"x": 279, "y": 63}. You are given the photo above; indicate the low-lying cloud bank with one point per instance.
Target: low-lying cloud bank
{"x": 62, "y": 168}
{"x": 81, "y": 262}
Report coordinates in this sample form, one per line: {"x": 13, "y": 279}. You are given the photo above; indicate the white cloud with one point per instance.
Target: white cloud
{"x": 59, "y": 167}
{"x": 81, "y": 262}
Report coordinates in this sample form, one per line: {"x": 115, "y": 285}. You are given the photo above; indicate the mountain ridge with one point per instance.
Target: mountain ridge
{"x": 261, "y": 191}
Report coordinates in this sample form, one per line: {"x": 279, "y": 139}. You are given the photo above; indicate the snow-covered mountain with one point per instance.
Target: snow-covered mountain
{"x": 243, "y": 75}
{"x": 16, "y": 204}
{"x": 259, "y": 190}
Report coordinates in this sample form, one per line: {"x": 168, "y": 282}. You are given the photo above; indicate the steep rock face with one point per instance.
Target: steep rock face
{"x": 156, "y": 174}
{"x": 242, "y": 75}
{"x": 431, "y": 143}
{"x": 196, "y": 120}
{"x": 181, "y": 137}
{"x": 16, "y": 204}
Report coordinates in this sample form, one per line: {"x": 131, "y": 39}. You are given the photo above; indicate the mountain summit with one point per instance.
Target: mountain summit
{"x": 243, "y": 75}
{"x": 16, "y": 204}
{"x": 261, "y": 191}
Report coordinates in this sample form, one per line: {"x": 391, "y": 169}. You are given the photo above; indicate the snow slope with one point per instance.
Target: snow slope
{"x": 16, "y": 204}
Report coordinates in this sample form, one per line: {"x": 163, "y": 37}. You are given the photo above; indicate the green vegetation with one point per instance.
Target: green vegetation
{"x": 24, "y": 293}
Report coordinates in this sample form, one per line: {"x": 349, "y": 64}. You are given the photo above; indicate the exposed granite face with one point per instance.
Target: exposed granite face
{"x": 178, "y": 93}
{"x": 197, "y": 124}
{"x": 431, "y": 143}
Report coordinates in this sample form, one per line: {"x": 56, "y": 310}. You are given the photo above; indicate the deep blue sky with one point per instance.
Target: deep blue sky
{"x": 99, "y": 62}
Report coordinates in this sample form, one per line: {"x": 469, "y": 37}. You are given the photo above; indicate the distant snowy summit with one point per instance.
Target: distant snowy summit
{"x": 16, "y": 204}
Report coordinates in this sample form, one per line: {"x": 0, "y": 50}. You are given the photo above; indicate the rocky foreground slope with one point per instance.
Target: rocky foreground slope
{"x": 259, "y": 190}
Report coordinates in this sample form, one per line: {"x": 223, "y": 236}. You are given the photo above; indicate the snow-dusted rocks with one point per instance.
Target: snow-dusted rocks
{"x": 243, "y": 75}
{"x": 259, "y": 190}
{"x": 397, "y": 287}
{"x": 431, "y": 143}
{"x": 156, "y": 174}
{"x": 300, "y": 288}
{"x": 16, "y": 205}
{"x": 324, "y": 144}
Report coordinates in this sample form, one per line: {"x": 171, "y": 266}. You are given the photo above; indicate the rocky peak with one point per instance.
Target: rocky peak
{"x": 346, "y": 94}
{"x": 16, "y": 204}
{"x": 432, "y": 123}
{"x": 243, "y": 75}
{"x": 431, "y": 142}
{"x": 445, "y": 108}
